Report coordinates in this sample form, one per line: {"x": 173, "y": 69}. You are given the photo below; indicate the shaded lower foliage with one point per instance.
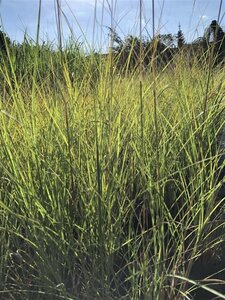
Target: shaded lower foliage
{"x": 209, "y": 268}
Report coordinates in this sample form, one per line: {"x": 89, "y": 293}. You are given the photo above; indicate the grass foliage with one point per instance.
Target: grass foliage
{"x": 106, "y": 192}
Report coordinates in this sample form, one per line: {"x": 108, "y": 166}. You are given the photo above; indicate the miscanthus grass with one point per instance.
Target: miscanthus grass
{"x": 94, "y": 205}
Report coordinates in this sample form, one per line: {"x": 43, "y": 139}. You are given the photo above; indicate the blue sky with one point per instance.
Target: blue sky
{"x": 19, "y": 16}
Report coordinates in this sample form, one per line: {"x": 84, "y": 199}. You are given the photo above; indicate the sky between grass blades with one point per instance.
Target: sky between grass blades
{"x": 19, "y": 16}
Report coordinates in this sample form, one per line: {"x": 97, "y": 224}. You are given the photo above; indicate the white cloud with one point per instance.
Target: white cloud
{"x": 204, "y": 17}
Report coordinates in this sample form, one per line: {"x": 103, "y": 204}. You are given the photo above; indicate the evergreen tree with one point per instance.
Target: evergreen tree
{"x": 216, "y": 31}
{"x": 180, "y": 38}
{"x": 216, "y": 35}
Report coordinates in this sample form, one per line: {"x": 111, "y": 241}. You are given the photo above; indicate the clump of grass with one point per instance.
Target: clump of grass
{"x": 92, "y": 205}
